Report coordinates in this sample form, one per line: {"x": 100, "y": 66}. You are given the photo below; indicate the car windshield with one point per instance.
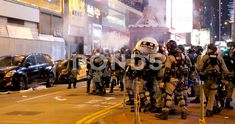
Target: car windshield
{"x": 11, "y": 60}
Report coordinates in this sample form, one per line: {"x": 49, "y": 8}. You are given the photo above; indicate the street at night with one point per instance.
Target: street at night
{"x": 59, "y": 105}
{"x": 117, "y": 62}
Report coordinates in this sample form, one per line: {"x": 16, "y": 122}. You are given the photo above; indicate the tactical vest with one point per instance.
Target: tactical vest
{"x": 212, "y": 73}
{"x": 177, "y": 67}
{"x": 213, "y": 61}
{"x": 229, "y": 59}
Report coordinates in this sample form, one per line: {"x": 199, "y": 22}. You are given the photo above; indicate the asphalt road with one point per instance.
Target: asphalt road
{"x": 56, "y": 105}
{"x": 59, "y": 105}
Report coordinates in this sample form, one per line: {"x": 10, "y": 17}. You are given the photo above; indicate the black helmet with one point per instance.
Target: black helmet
{"x": 199, "y": 49}
{"x": 171, "y": 46}
{"x": 212, "y": 47}
{"x": 122, "y": 50}
{"x": 181, "y": 47}
{"x": 229, "y": 44}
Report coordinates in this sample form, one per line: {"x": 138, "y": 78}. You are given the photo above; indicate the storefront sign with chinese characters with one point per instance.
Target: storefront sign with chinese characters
{"x": 93, "y": 11}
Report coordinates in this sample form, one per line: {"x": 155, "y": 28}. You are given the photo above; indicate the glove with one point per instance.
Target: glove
{"x": 202, "y": 76}
{"x": 166, "y": 77}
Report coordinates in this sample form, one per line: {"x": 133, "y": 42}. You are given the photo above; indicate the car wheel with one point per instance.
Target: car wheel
{"x": 51, "y": 79}
{"x": 21, "y": 84}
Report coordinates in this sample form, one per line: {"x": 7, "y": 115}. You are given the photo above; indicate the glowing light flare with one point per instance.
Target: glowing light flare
{"x": 180, "y": 15}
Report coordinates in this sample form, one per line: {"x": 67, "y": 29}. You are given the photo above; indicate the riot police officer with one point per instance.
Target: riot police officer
{"x": 89, "y": 75}
{"x": 229, "y": 58}
{"x": 98, "y": 63}
{"x": 188, "y": 67}
{"x": 73, "y": 69}
{"x": 195, "y": 87}
{"x": 146, "y": 49}
{"x": 174, "y": 80}
{"x": 117, "y": 73}
{"x": 210, "y": 68}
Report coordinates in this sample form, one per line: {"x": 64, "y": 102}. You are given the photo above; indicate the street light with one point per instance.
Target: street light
{"x": 225, "y": 23}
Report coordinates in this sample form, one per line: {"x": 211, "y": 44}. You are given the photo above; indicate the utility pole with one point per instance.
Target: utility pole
{"x": 233, "y": 25}
{"x": 219, "y": 20}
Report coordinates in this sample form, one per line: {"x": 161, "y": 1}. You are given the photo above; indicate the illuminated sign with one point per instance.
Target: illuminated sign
{"x": 200, "y": 37}
{"x": 115, "y": 20}
{"x": 76, "y": 14}
{"x": 180, "y": 15}
{"x": 93, "y": 11}
{"x": 77, "y": 7}
{"x": 97, "y": 12}
{"x": 90, "y": 11}
{"x": 97, "y": 30}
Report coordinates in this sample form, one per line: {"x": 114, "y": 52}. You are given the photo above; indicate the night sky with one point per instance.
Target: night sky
{"x": 210, "y": 17}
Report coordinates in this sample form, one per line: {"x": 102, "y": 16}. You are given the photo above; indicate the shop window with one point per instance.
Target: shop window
{"x": 51, "y": 25}
{"x": 45, "y": 24}
{"x": 15, "y": 21}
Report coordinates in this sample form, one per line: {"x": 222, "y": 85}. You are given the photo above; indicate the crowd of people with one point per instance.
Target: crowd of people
{"x": 165, "y": 75}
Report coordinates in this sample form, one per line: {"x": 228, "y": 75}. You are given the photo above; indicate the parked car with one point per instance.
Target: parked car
{"x": 62, "y": 69}
{"x": 21, "y": 70}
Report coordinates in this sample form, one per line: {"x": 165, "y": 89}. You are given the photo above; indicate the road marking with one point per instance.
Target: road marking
{"x": 93, "y": 101}
{"x": 59, "y": 98}
{"x": 80, "y": 106}
{"x": 109, "y": 98}
{"x": 96, "y": 115}
{"x": 37, "y": 97}
{"x": 15, "y": 122}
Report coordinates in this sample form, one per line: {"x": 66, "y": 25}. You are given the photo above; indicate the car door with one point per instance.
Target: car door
{"x": 45, "y": 66}
{"x": 30, "y": 68}
{"x": 42, "y": 65}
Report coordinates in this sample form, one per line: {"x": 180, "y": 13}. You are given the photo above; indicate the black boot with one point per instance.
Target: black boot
{"x": 217, "y": 110}
{"x": 74, "y": 85}
{"x": 88, "y": 90}
{"x": 209, "y": 113}
{"x": 172, "y": 112}
{"x": 183, "y": 115}
{"x": 69, "y": 86}
{"x": 112, "y": 86}
{"x": 158, "y": 109}
{"x": 130, "y": 101}
{"x": 88, "y": 86}
{"x": 227, "y": 105}
{"x": 132, "y": 108}
{"x": 196, "y": 100}
{"x": 163, "y": 115}
{"x": 122, "y": 86}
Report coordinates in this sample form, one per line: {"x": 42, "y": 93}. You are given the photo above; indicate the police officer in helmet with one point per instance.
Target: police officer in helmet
{"x": 173, "y": 80}
{"x": 211, "y": 68}
{"x": 229, "y": 58}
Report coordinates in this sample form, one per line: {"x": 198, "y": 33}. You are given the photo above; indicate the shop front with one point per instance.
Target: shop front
{"x": 93, "y": 12}
{"x": 115, "y": 33}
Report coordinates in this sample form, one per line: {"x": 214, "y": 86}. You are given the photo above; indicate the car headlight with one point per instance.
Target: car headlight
{"x": 10, "y": 73}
